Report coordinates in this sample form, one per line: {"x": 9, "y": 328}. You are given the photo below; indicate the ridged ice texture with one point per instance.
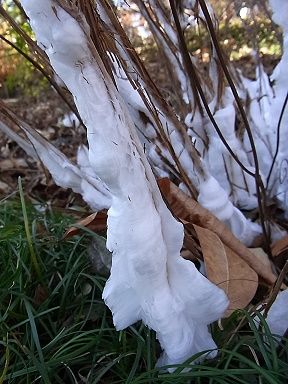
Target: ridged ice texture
{"x": 64, "y": 173}
{"x": 221, "y": 164}
{"x": 93, "y": 190}
{"x": 277, "y": 317}
{"x": 280, "y": 77}
{"x": 149, "y": 280}
{"x": 214, "y": 198}
{"x": 267, "y": 95}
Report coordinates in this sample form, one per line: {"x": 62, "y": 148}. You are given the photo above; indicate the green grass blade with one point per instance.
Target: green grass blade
{"x": 34, "y": 260}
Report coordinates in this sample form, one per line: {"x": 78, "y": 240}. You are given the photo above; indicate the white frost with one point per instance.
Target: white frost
{"x": 215, "y": 199}
{"x": 149, "y": 280}
{"x": 277, "y": 317}
{"x": 70, "y": 120}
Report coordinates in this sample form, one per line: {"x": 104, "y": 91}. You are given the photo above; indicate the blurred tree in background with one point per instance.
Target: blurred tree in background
{"x": 17, "y": 74}
{"x": 245, "y": 30}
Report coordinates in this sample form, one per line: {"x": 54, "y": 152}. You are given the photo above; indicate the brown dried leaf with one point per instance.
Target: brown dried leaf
{"x": 227, "y": 270}
{"x": 40, "y": 295}
{"x": 185, "y": 208}
{"x": 191, "y": 242}
{"x": 215, "y": 258}
{"x": 262, "y": 256}
{"x": 279, "y": 246}
{"x": 243, "y": 281}
{"x": 96, "y": 222}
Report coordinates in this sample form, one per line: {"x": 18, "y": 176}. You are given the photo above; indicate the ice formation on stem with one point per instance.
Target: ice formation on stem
{"x": 152, "y": 115}
{"x": 240, "y": 226}
{"x": 219, "y": 159}
{"x": 80, "y": 179}
{"x": 268, "y": 116}
{"x": 244, "y": 194}
{"x": 278, "y": 105}
{"x": 149, "y": 280}
{"x": 214, "y": 198}
{"x": 260, "y": 95}
{"x": 212, "y": 195}
{"x": 236, "y": 188}
{"x": 167, "y": 38}
{"x": 26, "y": 146}
{"x": 277, "y": 318}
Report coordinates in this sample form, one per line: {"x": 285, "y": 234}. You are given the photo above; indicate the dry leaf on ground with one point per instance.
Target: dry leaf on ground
{"x": 262, "y": 256}
{"x": 227, "y": 270}
{"x": 186, "y": 208}
{"x": 96, "y": 222}
{"x": 279, "y": 246}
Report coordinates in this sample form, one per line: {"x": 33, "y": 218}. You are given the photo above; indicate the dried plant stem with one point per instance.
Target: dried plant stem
{"x": 150, "y": 94}
{"x": 261, "y": 193}
{"x": 195, "y": 80}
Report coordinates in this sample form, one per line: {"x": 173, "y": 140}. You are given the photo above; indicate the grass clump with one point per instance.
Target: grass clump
{"x": 55, "y": 327}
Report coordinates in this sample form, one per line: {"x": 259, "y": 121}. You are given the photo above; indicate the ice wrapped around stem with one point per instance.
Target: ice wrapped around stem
{"x": 214, "y": 198}
{"x": 277, "y": 318}
{"x": 149, "y": 280}
{"x": 80, "y": 178}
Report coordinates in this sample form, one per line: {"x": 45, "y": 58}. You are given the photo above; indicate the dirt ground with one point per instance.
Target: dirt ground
{"x": 45, "y": 113}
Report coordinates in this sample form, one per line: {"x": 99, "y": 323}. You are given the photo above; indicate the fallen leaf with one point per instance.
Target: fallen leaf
{"x": 243, "y": 281}
{"x": 191, "y": 242}
{"x": 279, "y": 246}
{"x": 262, "y": 256}
{"x": 185, "y": 208}
{"x": 227, "y": 270}
{"x": 96, "y": 222}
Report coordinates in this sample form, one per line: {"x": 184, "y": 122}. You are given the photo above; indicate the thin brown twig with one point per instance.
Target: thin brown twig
{"x": 19, "y": 6}
{"x": 260, "y": 190}
{"x": 195, "y": 80}
{"x": 152, "y": 98}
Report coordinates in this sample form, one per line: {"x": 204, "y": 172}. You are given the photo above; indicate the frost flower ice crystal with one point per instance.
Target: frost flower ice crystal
{"x": 149, "y": 280}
